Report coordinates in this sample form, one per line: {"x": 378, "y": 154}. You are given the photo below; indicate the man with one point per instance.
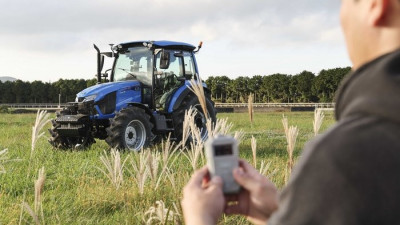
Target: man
{"x": 349, "y": 175}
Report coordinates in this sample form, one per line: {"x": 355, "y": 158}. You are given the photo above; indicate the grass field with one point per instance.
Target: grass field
{"x": 76, "y": 191}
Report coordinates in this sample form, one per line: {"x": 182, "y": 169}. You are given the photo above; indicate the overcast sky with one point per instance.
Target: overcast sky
{"x": 52, "y": 39}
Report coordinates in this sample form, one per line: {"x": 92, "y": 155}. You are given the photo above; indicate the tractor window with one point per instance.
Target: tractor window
{"x": 135, "y": 64}
{"x": 175, "y": 66}
{"x": 167, "y": 80}
{"x": 189, "y": 64}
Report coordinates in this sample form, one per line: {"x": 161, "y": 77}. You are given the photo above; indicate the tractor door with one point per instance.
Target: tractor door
{"x": 168, "y": 77}
{"x": 190, "y": 69}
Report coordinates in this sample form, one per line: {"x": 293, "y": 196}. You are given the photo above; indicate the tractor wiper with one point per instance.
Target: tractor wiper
{"x": 128, "y": 72}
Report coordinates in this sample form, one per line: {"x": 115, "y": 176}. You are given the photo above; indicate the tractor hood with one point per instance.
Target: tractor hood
{"x": 98, "y": 91}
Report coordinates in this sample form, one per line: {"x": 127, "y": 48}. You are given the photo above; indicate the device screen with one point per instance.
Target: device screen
{"x": 223, "y": 149}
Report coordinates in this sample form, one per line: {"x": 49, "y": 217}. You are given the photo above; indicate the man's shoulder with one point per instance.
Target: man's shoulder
{"x": 344, "y": 174}
{"x": 357, "y": 133}
{"x": 353, "y": 143}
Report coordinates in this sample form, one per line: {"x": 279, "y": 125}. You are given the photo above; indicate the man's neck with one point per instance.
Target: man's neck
{"x": 388, "y": 41}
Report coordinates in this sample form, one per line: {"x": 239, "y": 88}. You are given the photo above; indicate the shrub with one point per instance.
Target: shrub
{"x": 3, "y": 109}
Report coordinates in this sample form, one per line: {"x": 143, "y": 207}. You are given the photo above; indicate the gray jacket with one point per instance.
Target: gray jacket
{"x": 351, "y": 173}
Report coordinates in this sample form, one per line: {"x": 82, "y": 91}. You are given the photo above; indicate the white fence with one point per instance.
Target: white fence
{"x": 55, "y": 106}
{"x": 47, "y": 106}
{"x": 275, "y": 105}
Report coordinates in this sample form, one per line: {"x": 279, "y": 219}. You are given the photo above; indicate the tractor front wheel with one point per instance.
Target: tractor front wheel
{"x": 130, "y": 129}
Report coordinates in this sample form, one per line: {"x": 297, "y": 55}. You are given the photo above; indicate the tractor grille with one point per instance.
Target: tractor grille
{"x": 107, "y": 104}
{"x": 72, "y": 125}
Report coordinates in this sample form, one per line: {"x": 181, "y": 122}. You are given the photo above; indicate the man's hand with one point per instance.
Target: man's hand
{"x": 258, "y": 198}
{"x": 203, "y": 201}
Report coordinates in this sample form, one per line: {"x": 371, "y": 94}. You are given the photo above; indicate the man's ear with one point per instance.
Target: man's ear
{"x": 378, "y": 10}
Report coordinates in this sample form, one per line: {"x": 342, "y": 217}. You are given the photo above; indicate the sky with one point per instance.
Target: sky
{"x": 51, "y": 39}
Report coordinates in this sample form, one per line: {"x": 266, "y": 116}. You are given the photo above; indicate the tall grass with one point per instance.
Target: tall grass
{"x": 239, "y": 135}
{"x": 254, "y": 150}
{"x": 42, "y": 118}
{"x": 37, "y": 214}
{"x": 3, "y": 158}
{"x": 187, "y": 124}
{"x": 140, "y": 170}
{"x": 113, "y": 167}
{"x": 318, "y": 119}
{"x": 221, "y": 127}
{"x": 39, "y": 184}
{"x": 264, "y": 166}
{"x": 197, "y": 88}
{"x": 168, "y": 157}
{"x": 77, "y": 192}
{"x": 250, "y": 107}
{"x": 291, "y": 134}
{"x": 159, "y": 214}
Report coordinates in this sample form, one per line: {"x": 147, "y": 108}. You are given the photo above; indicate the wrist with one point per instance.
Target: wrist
{"x": 200, "y": 220}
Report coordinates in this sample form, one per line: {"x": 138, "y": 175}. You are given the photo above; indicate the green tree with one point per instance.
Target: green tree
{"x": 255, "y": 87}
{"x": 327, "y": 82}
{"x": 301, "y": 87}
{"x": 22, "y": 91}
{"x": 277, "y": 87}
{"x": 39, "y": 92}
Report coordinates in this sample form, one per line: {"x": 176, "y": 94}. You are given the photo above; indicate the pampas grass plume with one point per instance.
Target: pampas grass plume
{"x": 317, "y": 122}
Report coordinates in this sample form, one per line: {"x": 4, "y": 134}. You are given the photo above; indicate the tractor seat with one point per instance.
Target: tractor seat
{"x": 166, "y": 97}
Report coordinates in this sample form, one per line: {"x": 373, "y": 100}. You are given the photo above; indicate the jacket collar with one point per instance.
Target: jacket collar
{"x": 373, "y": 89}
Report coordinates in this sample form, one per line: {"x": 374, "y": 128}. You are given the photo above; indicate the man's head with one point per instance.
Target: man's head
{"x": 371, "y": 28}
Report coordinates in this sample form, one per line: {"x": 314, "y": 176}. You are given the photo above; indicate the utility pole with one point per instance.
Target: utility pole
{"x": 59, "y": 100}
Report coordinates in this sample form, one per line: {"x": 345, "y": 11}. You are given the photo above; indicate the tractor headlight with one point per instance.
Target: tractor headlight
{"x": 89, "y": 98}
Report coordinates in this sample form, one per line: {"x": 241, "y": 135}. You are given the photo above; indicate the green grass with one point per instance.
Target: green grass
{"x": 77, "y": 192}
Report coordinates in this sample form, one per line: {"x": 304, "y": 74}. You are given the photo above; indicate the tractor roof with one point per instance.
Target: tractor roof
{"x": 161, "y": 44}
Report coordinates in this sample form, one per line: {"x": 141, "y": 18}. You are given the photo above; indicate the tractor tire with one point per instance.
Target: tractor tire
{"x": 61, "y": 142}
{"x": 130, "y": 129}
{"x": 200, "y": 119}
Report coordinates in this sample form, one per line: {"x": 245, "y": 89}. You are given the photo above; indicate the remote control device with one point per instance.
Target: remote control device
{"x": 222, "y": 158}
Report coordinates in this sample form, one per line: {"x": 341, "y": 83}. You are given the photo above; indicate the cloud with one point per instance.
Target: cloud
{"x": 57, "y": 29}
{"x": 75, "y": 18}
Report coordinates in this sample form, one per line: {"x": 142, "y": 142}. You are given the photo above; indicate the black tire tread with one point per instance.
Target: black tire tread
{"x": 116, "y": 130}
{"x": 60, "y": 142}
{"x": 179, "y": 114}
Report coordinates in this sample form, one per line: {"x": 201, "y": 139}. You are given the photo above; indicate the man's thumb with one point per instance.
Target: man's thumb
{"x": 216, "y": 181}
{"x": 243, "y": 179}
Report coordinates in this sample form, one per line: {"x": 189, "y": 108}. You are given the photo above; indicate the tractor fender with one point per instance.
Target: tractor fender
{"x": 181, "y": 94}
{"x": 142, "y": 106}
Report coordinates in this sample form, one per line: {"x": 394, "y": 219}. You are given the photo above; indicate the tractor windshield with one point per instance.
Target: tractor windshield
{"x": 134, "y": 64}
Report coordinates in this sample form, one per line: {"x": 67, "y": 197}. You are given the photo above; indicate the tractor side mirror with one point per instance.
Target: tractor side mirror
{"x": 164, "y": 59}
{"x": 188, "y": 75}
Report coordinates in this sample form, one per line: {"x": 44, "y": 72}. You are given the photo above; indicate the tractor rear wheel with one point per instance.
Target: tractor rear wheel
{"x": 62, "y": 142}
{"x": 200, "y": 118}
{"x": 130, "y": 129}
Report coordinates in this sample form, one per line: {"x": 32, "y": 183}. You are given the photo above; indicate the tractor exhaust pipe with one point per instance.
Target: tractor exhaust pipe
{"x": 100, "y": 63}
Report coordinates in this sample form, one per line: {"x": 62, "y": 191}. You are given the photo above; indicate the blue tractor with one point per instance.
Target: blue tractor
{"x": 143, "y": 100}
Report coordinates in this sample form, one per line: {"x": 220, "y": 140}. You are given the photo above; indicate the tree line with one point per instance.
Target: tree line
{"x": 38, "y": 92}
{"x": 302, "y": 87}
